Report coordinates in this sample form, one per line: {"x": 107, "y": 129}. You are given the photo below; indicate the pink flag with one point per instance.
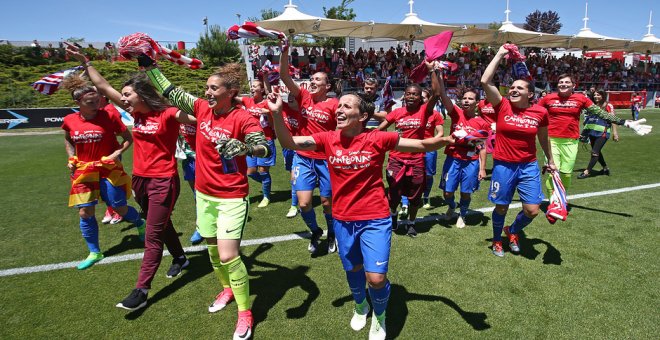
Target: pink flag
{"x": 435, "y": 47}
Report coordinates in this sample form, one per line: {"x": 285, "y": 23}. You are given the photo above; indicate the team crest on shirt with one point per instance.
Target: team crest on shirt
{"x": 338, "y": 153}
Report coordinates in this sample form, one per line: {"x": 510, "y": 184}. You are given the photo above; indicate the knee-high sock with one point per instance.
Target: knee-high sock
{"x": 451, "y": 202}
{"x": 310, "y": 219}
{"x": 256, "y": 176}
{"x": 464, "y": 204}
{"x": 219, "y": 270}
{"x": 427, "y": 190}
{"x": 330, "y": 222}
{"x": 498, "y": 225}
{"x": 379, "y": 298}
{"x": 90, "y": 233}
{"x": 566, "y": 179}
{"x": 294, "y": 196}
{"x": 239, "y": 281}
{"x": 520, "y": 222}
{"x": 132, "y": 215}
{"x": 357, "y": 282}
{"x": 265, "y": 183}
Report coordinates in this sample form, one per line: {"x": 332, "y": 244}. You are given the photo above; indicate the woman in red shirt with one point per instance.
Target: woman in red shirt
{"x": 94, "y": 161}
{"x": 362, "y": 222}
{"x": 155, "y": 176}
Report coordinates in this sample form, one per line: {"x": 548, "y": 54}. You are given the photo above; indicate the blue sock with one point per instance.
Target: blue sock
{"x": 265, "y": 183}
{"x": 404, "y": 201}
{"x": 450, "y": 202}
{"x": 498, "y": 225}
{"x": 465, "y": 205}
{"x": 357, "y": 282}
{"x": 520, "y": 222}
{"x": 427, "y": 190}
{"x": 310, "y": 219}
{"x": 294, "y": 196}
{"x": 256, "y": 176}
{"x": 132, "y": 215}
{"x": 90, "y": 232}
{"x": 330, "y": 222}
{"x": 379, "y": 298}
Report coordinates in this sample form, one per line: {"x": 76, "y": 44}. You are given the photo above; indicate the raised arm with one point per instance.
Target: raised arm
{"x": 435, "y": 87}
{"x": 444, "y": 98}
{"x": 492, "y": 93}
{"x": 180, "y": 98}
{"x": 283, "y": 134}
{"x": 97, "y": 79}
{"x": 285, "y": 76}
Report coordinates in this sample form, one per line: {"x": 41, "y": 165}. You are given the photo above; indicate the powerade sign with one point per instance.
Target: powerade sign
{"x": 42, "y": 118}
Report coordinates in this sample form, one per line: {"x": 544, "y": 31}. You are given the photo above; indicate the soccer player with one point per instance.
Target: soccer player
{"x": 355, "y": 158}
{"x": 519, "y": 124}
{"x": 598, "y": 132}
{"x": 564, "y": 108}
{"x": 155, "y": 175}
{"x": 259, "y": 167}
{"x": 406, "y": 173}
{"x": 310, "y": 169}
{"x": 90, "y": 140}
{"x": 226, "y": 133}
{"x": 465, "y": 164}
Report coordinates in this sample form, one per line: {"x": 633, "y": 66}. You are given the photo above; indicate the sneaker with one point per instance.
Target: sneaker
{"x": 411, "y": 230}
{"x": 403, "y": 214}
{"x": 606, "y": 171}
{"x": 244, "y": 325}
{"x": 427, "y": 206}
{"x": 460, "y": 223}
{"x": 196, "y": 238}
{"x": 359, "y": 319}
{"x": 332, "y": 244}
{"x": 107, "y": 217}
{"x": 177, "y": 265}
{"x": 497, "y": 249}
{"x": 116, "y": 218}
{"x": 293, "y": 211}
{"x": 221, "y": 300}
{"x": 91, "y": 259}
{"x": 513, "y": 240}
{"x": 134, "y": 301}
{"x": 141, "y": 227}
{"x": 583, "y": 175}
{"x": 264, "y": 203}
{"x": 377, "y": 331}
{"x": 314, "y": 241}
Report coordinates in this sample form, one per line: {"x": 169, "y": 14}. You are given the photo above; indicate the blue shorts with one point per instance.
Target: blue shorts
{"x": 431, "y": 162}
{"x": 188, "y": 166}
{"x": 309, "y": 173}
{"x": 507, "y": 177}
{"x": 112, "y": 196}
{"x": 364, "y": 243}
{"x": 253, "y": 162}
{"x": 288, "y": 158}
{"x": 463, "y": 172}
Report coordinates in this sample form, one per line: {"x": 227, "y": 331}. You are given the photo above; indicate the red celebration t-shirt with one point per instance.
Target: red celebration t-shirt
{"x": 516, "y": 131}
{"x": 96, "y": 137}
{"x": 315, "y": 117}
{"x": 408, "y": 125}
{"x": 255, "y": 109}
{"x": 356, "y": 172}
{"x": 154, "y": 138}
{"x": 565, "y": 113}
{"x": 460, "y": 122}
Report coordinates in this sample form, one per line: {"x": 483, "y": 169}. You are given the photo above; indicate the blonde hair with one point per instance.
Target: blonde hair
{"x": 78, "y": 86}
{"x": 231, "y": 76}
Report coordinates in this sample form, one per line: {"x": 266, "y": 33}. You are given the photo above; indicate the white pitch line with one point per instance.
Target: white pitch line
{"x": 282, "y": 238}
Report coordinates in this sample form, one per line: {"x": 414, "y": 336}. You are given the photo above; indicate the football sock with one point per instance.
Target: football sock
{"x": 294, "y": 196}
{"x": 520, "y": 222}
{"x": 379, "y": 298}
{"x": 219, "y": 270}
{"x": 451, "y": 202}
{"x": 256, "y": 176}
{"x": 90, "y": 233}
{"x": 464, "y": 205}
{"x": 498, "y": 225}
{"x": 310, "y": 219}
{"x": 265, "y": 183}
{"x": 330, "y": 223}
{"x": 132, "y": 215}
{"x": 239, "y": 281}
{"x": 427, "y": 190}
{"x": 357, "y": 282}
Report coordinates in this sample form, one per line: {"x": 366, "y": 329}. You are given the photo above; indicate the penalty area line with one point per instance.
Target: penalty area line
{"x": 282, "y": 238}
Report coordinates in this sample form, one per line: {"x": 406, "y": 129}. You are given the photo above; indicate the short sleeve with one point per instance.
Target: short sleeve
{"x": 321, "y": 140}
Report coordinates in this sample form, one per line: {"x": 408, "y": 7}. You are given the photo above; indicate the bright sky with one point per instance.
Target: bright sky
{"x": 168, "y": 20}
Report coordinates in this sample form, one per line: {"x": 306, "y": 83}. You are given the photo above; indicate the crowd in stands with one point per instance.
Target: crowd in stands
{"x": 397, "y": 62}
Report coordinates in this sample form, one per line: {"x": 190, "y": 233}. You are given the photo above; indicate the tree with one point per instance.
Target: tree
{"x": 494, "y": 25}
{"x": 265, "y": 15}
{"x": 546, "y": 22}
{"x": 214, "y": 48}
{"x": 341, "y": 12}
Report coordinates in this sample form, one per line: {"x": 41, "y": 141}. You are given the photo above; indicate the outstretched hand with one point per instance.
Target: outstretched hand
{"x": 638, "y": 127}
{"x": 74, "y": 51}
{"x": 274, "y": 102}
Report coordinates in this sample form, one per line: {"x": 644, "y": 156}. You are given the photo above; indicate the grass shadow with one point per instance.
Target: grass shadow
{"x": 571, "y": 205}
{"x": 399, "y": 297}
